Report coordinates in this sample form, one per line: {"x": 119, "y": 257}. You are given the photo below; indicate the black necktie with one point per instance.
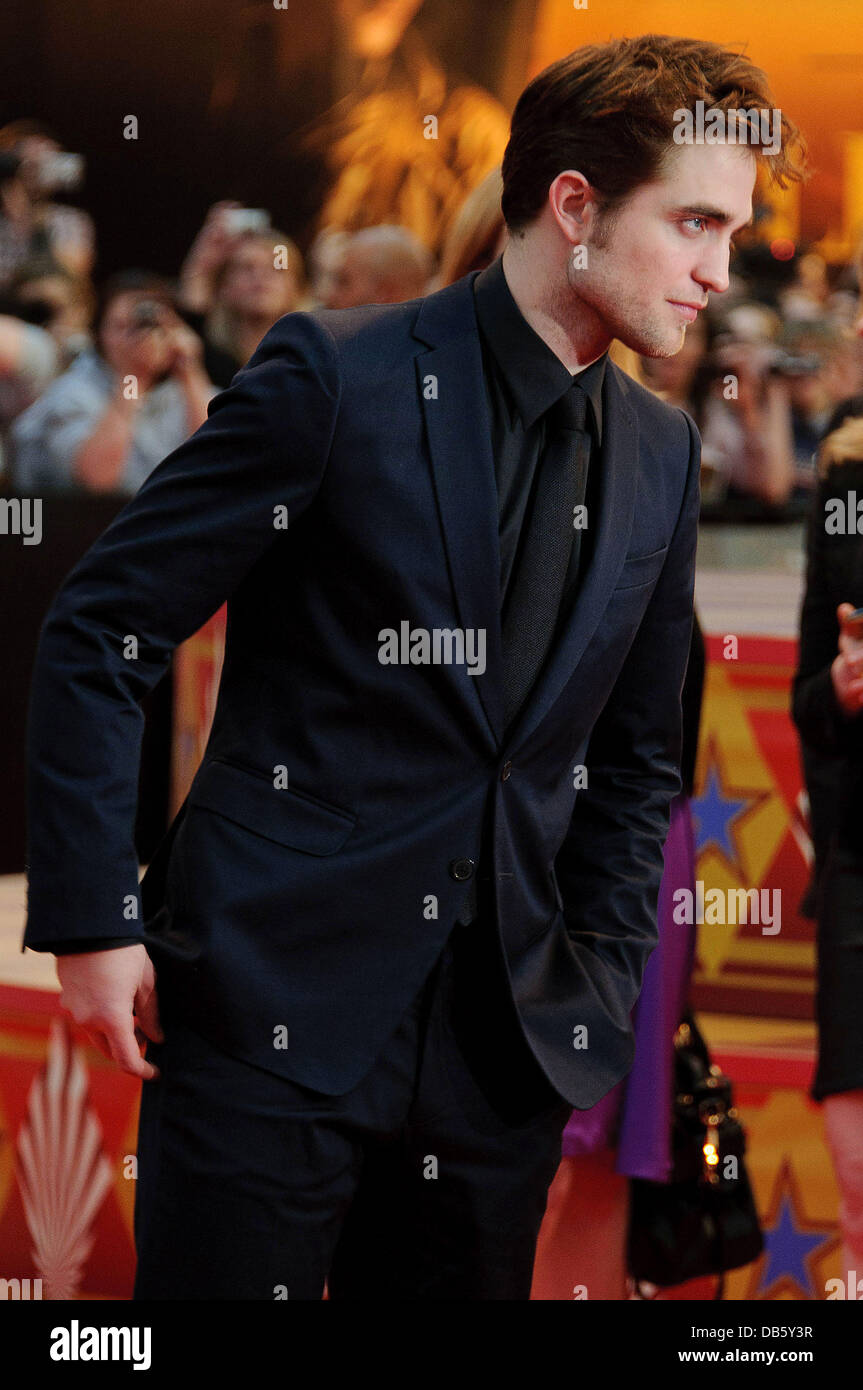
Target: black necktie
{"x": 548, "y": 549}
{"x": 547, "y": 555}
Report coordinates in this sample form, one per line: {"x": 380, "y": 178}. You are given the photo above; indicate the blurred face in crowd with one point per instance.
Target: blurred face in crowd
{"x": 367, "y": 275}
{"x": 62, "y": 304}
{"x": 354, "y": 281}
{"x": 130, "y": 347}
{"x": 653, "y": 261}
{"x": 252, "y": 286}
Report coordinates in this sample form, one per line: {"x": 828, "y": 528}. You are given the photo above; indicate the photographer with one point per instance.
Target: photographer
{"x": 121, "y": 407}
{"x": 232, "y": 287}
{"x": 747, "y": 423}
{"x": 42, "y": 293}
{"x": 34, "y": 169}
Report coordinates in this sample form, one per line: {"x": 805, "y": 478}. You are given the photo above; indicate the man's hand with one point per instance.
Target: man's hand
{"x": 847, "y": 669}
{"x": 112, "y": 995}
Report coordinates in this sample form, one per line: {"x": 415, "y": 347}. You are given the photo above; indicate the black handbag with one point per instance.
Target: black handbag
{"x": 703, "y": 1221}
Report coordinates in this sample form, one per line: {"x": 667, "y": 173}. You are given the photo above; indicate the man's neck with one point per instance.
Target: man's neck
{"x": 552, "y": 309}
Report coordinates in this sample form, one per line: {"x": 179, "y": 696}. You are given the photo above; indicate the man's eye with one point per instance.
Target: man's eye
{"x": 701, "y": 222}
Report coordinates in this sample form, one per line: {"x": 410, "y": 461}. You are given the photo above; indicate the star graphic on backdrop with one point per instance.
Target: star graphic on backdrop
{"x": 787, "y": 1248}
{"x": 713, "y": 813}
{"x": 790, "y": 1242}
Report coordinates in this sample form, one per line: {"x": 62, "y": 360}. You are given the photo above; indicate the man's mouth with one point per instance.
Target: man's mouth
{"x": 689, "y": 312}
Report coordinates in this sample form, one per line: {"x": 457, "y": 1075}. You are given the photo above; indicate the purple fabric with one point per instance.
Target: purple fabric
{"x": 635, "y": 1116}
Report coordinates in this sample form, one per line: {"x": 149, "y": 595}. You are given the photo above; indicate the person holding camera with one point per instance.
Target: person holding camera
{"x": 34, "y": 171}
{"x": 746, "y": 423}
{"x": 104, "y": 424}
{"x": 240, "y": 276}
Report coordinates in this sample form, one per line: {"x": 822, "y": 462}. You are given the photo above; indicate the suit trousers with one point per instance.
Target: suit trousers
{"x": 428, "y": 1180}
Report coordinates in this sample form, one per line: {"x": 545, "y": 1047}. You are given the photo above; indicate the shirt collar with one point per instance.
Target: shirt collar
{"x": 535, "y": 375}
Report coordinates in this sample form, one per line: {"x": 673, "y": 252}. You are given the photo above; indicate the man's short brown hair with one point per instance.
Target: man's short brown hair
{"x": 608, "y": 110}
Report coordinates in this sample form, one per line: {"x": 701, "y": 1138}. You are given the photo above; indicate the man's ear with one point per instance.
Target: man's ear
{"x": 572, "y": 198}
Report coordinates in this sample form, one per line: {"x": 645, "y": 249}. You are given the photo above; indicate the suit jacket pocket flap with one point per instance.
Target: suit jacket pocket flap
{"x": 640, "y": 569}
{"x": 288, "y": 816}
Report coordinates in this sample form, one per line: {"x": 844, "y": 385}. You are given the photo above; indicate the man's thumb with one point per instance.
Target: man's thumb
{"x": 147, "y": 1013}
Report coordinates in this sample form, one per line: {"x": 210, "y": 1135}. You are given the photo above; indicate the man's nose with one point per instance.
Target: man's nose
{"x": 714, "y": 277}
{"x": 712, "y": 270}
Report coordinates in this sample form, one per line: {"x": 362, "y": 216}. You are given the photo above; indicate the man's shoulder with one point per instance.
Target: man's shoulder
{"x": 349, "y": 340}
{"x": 376, "y": 334}
{"x": 669, "y": 423}
{"x": 368, "y": 324}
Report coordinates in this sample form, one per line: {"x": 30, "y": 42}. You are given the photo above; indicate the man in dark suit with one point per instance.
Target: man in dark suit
{"x": 401, "y": 920}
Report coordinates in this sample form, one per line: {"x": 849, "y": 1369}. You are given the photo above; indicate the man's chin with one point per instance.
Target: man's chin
{"x": 656, "y": 344}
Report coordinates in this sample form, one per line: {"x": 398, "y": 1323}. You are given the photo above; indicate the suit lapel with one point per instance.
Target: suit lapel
{"x": 458, "y": 422}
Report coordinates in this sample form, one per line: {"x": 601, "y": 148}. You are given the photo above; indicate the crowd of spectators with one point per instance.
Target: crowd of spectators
{"x": 99, "y": 381}
{"x": 762, "y": 372}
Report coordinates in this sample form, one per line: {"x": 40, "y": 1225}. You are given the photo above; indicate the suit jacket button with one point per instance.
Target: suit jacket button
{"x": 462, "y": 869}
{"x": 505, "y": 771}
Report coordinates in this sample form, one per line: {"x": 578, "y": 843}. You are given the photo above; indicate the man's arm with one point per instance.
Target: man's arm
{"x": 610, "y": 864}
{"x": 165, "y": 564}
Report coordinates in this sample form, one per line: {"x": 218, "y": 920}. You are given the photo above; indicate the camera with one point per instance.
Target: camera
{"x": 239, "y": 220}
{"x": 147, "y": 314}
{"x": 794, "y": 363}
{"x": 61, "y": 173}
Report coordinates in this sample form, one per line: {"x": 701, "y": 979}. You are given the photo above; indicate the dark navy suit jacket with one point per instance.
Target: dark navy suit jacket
{"x": 318, "y": 908}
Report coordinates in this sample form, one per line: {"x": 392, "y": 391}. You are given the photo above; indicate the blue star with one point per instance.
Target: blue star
{"x": 712, "y": 814}
{"x": 787, "y": 1248}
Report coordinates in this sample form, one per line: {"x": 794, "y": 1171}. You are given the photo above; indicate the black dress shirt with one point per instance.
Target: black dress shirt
{"x": 523, "y": 379}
